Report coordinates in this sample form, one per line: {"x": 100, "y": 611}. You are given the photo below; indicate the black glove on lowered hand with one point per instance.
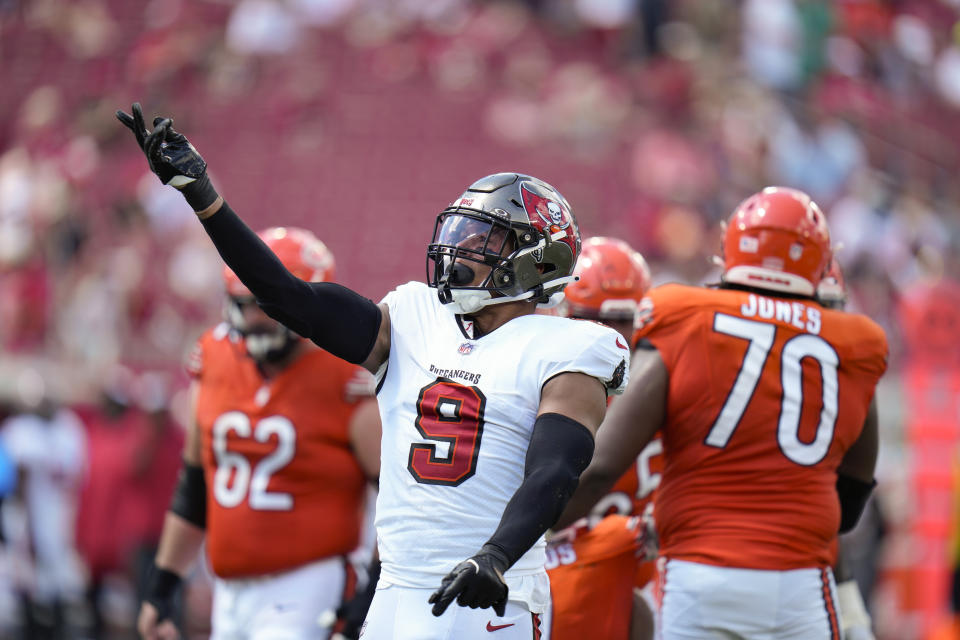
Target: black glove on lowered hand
{"x": 161, "y": 591}
{"x": 476, "y": 583}
{"x": 171, "y": 156}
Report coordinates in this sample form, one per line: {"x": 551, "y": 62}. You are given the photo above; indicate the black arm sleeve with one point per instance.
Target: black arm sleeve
{"x": 853, "y": 496}
{"x": 190, "y": 495}
{"x": 560, "y": 449}
{"x": 334, "y": 317}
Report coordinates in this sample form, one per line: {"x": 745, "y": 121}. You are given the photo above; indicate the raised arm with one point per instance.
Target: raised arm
{"x": 334, "y": 317}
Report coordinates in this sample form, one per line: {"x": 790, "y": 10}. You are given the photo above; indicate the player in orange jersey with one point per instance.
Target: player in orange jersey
{"x": 765, "y": 400}
{"x": 283, "y": 440}
{"x": 593, "y": 564}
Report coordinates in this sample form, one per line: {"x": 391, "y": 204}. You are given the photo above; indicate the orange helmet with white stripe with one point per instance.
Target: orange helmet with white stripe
{"x": 777, "y": 240}
{"x": 613, "y": 279}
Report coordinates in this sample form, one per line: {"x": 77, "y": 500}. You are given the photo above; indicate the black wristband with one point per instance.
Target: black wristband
{"x": 162, "y": 587}
{"x": 200, "y": 193}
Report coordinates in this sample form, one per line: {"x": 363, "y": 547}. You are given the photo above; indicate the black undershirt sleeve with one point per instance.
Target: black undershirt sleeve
{"x": 332, "y": 316}
{"x": 560, "y": 449}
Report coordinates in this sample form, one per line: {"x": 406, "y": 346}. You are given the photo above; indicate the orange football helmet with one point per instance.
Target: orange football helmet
{"x": 613, "y": 278}
{"x": 298, "y": 249}
{"x": 777, "y": 239}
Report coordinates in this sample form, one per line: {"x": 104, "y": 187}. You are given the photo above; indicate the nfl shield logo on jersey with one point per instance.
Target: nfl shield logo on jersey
{"x": 465, "y": 349}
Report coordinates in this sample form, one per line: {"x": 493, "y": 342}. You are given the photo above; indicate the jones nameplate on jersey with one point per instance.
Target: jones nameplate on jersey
{"x": 469, "y": 376}
{"x": 801, "y": 316}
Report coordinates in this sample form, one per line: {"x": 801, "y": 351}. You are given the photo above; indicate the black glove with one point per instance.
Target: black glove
{"x": 161, "y": 591}
{"x": 171, "y": 156}
{"x": 475, "y": 582}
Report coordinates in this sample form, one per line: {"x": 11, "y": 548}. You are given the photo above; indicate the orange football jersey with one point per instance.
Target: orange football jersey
{"x": 591, "y": 579}
{"x": 765, "y": 396}
{"x": 283, "y": 486}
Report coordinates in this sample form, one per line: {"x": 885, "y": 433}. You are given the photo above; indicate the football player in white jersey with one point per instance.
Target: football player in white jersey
{"x": 488, "y": 410}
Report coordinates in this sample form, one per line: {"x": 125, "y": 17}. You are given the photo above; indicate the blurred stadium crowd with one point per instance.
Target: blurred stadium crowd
{"x": 351, "y": 118}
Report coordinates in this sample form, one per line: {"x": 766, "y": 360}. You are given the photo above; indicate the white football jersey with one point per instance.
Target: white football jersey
{"x": 458, "y": 414}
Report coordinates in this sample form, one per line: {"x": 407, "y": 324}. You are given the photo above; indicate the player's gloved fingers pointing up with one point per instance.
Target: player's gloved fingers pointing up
{"x": 172, "y": 158}
{"x": 134, "y": 123}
